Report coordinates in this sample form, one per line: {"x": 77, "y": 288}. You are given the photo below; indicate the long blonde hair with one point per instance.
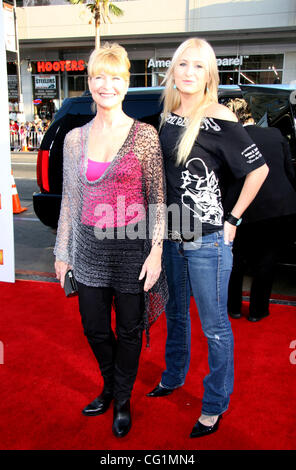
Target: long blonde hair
{"x": 172, "y": 100}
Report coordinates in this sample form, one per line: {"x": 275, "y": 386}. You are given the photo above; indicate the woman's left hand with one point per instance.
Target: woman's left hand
{"x": 229, "y": 232}
{"x": 151, "y": 268}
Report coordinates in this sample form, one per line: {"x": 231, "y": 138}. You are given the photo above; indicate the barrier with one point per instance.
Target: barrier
{"x": 25, "y": 141}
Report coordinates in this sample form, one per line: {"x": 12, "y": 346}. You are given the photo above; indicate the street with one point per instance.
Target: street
{"x": 34, "y": 242}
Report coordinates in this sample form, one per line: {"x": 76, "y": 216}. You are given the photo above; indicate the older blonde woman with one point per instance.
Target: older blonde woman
{"x": 113, "y": 173}
{"x": 203, "y": 144}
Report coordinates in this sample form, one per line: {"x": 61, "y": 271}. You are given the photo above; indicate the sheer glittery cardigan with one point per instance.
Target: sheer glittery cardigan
{"x": 136, "y": 173}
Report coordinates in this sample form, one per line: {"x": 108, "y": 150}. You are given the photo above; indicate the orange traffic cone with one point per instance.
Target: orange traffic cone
{"x": 16, "y": 204}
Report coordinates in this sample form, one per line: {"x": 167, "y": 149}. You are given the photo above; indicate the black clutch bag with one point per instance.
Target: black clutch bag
{"x": 70, "y": 285}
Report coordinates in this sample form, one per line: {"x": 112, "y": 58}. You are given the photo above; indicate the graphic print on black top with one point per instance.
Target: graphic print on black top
{"x": 222, "y": 150}
{"x": 202, "y": 194}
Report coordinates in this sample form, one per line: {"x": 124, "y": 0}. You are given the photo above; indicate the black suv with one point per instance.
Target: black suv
{"x": 274, "y": 106}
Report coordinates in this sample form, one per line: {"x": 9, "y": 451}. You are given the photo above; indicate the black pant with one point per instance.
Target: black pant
{"x": 255, "y": 250}
{"x": 117, "y": 356}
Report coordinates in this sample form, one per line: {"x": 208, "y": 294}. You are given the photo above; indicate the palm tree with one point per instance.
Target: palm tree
{"x": 101, "y": 10}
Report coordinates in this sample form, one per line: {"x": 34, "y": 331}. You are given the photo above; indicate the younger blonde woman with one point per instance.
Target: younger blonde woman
{"x": 203, "y": 145}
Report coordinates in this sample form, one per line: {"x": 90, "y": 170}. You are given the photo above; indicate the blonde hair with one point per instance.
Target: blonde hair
{"x": 172, "y": 100}
{"x": 110, "y": 58}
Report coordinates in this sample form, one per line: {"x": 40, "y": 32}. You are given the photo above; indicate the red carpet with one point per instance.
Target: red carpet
{"x": 49, "y": 375}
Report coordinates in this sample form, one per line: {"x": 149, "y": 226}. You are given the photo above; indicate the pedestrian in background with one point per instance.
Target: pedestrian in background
{"x": 268, "y": 224}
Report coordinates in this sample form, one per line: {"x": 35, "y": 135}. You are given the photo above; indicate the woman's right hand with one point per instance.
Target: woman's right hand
{"x": 61, "y": 268}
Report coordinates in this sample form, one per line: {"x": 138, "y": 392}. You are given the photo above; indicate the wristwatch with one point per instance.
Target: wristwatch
{"x": 233, "y": 220}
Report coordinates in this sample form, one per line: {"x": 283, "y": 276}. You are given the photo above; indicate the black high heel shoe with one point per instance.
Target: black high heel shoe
{"x": 200, "y": 429}
{"x": 160, "y": 391}
{"x": 122, "y": 418}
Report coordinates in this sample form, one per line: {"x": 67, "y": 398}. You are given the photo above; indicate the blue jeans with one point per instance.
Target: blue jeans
{"x": 204, "y": 268}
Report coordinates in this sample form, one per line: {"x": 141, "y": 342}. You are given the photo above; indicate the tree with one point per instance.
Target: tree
{"x": 101, "y": 10}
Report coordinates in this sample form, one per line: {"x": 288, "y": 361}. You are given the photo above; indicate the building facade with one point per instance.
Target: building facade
{"x": 254, "y": 41}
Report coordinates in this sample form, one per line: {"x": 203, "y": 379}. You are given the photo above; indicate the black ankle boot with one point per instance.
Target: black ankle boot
{"x": 122, "y": 418}
{"x": 99, "y": 405}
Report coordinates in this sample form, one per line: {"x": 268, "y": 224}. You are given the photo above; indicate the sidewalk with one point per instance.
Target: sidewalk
{"x": 35, "y": 153}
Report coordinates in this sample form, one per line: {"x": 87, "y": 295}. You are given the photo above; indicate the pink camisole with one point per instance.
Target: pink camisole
{"x": 95, "y": 169}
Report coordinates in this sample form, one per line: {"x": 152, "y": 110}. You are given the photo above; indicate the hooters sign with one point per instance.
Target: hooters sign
{"x": 61, "y": 66}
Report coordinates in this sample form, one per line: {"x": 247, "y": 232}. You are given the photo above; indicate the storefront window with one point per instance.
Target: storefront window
{"x": 158, "y": 68}
{"x": 45, "y": 95}
{"x": 140, "y": 75}
{"x": 13, "y": 92}
{"x": 233, "y": 70}
{"x": 261, "y": 62}
{"x": 77, "y": 84}
{"x": 229, "y": 77}
{"x": 53, "y": 81}
{"x": 255, "y": 69}
{"x": 266, "y": 77}
{"x": 140, "y": 80}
